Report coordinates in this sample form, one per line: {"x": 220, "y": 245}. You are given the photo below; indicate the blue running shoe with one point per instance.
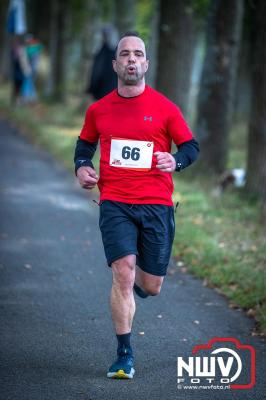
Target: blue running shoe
{"x": 123, "y": 367}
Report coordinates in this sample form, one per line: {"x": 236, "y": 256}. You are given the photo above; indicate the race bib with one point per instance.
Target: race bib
{"x": 131, "y": 154}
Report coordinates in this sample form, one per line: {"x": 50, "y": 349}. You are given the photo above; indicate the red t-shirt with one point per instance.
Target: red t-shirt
{"x": 149, "y": 117}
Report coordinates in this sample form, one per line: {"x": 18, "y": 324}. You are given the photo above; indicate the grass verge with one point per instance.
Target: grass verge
{"x": 221, "y": 241}
{"x": 217, "y": 239}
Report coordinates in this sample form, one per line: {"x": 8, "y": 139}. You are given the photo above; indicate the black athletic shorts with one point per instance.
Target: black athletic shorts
{"x": 146, "y": 230}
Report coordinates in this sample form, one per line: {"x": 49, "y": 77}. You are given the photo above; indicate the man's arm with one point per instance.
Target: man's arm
{"x": 187, "y": 153}
{"x": 84, "y": 169}
{"x": 84, "y": 153}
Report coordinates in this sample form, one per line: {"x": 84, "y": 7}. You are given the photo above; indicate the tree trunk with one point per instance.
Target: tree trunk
{"x": 152, "y": 46}
{"x": 176, "y": 48}
{"x": 125, "y": 15}
{"x": 38, "y": 16}
{"x": 216, "y": 95}
{"x": 4, "y": 42}
{"x": 256, "y": 168}
{"x": 91, "y": 38}
{"x": 59, "y": 25}
{"x": 242, "y": 100}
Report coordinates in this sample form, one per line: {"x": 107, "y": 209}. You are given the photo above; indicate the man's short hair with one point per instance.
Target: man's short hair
{"x": 128, "y": 34}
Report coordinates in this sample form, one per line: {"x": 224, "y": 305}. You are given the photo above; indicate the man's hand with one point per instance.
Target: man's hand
{"x": 165, "y": 161}
{"x": 87, "y": 177}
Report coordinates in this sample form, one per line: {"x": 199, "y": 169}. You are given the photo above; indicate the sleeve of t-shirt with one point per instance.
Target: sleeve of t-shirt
{"x": 89, "y": 131}
{"x": 178, "y": 128}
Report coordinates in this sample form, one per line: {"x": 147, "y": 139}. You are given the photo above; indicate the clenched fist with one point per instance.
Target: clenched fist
{"x": 87, "y": 177}
{"x": 165, "y": 161}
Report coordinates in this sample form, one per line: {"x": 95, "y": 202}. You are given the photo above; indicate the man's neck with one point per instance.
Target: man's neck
{"x": 130, "y": 91}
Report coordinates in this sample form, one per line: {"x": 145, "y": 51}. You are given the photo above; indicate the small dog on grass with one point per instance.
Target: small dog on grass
{"x": 234, "y": 177}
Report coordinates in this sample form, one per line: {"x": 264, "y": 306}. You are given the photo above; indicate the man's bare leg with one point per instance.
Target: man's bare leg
{"x": 123, "y": 309}
{"x": 122, "y": 298}
{"x": 148, "y": 283}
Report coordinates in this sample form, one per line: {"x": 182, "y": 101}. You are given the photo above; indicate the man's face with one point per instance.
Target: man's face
{"x": 131, "y": 64}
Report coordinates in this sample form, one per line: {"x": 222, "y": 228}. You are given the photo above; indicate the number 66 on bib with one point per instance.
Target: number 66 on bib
{"x": 131, "y": 154}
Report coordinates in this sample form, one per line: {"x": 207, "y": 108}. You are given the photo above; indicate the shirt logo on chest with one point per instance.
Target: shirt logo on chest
{"x": 148, "y": 118}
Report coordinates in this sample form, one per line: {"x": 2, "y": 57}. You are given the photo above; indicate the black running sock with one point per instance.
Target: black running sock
{"x": 124, "y": 340}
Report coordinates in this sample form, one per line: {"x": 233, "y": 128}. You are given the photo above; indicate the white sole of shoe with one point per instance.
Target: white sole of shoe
{"x": 120, "y": 374}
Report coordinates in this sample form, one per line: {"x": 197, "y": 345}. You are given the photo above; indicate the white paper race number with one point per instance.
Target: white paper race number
{"x": 131, "y": 154}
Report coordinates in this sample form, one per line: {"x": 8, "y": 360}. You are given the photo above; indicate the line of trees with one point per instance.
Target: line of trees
{"x": 223, "y": 38}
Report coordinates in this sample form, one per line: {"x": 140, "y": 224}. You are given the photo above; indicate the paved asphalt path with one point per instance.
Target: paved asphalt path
{"x": 55, "y": 330}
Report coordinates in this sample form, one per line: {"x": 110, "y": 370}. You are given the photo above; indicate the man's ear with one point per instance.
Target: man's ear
{"x": 147, "y": 65}
{"x": 114, "y": 65}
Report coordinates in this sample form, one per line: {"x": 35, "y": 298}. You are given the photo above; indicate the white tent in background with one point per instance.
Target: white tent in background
{"x": 16, "y": 18}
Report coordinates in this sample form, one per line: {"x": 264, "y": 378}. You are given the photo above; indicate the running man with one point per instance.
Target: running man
{"x": 136, "y": 126}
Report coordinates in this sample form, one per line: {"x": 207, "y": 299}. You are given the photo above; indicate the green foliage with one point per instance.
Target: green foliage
{"x": 107, "y": 9}
{"x": 145, "y": 12}
{"x": 201, "y": 7}
{"x": 238, "y": 145}
{"x": 220, "y": 240}
{"x": 79, "y": 15}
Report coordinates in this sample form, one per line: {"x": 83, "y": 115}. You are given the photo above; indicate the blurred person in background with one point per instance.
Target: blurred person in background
{"x": 33, "y": 49}
{"x": 103, "y": 78}
{"x": 20, "y": 68}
